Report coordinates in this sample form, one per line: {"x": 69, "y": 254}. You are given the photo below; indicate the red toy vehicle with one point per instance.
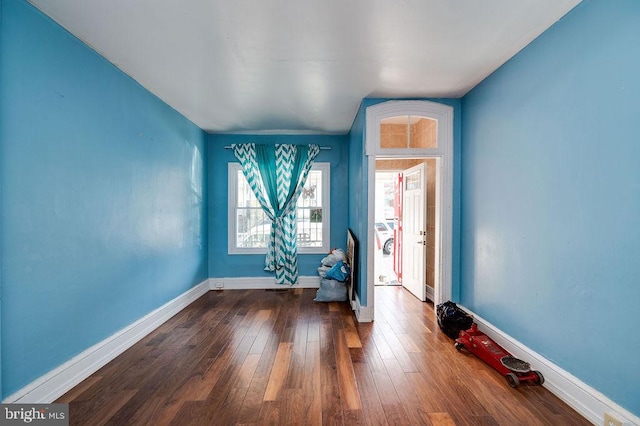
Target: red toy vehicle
{"x": 513, "y": 369}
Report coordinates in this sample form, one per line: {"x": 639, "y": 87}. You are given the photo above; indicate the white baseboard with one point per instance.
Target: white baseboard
{"x": 60, "y": 380}
{"x": 259, "y": 283}
{"x": 430, "y": 293}
{"x": 363, "y": 313}
{"x": 587, "y": 401}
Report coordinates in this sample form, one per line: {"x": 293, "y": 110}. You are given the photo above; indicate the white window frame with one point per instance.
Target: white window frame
{"x": 233, "y": 169}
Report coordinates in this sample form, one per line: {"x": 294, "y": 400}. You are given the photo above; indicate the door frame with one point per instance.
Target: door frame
{"x": 444, "y": 183}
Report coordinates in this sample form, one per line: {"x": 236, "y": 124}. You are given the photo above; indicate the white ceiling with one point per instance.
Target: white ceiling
{"x": 288, "y": 66}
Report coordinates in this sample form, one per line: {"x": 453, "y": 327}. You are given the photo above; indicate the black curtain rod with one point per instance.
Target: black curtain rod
{"x": 322, "y": 147}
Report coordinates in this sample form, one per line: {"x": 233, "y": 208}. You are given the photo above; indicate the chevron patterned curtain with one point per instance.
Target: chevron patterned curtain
{"x": 276, "y": 174}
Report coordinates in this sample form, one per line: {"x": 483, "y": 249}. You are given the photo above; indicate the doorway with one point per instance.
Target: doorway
{"x": 408, "y": 130}
{"x": 406, "y": 202}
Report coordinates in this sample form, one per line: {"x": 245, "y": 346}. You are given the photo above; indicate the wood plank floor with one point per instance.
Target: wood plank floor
{"x": 278, "y": 357}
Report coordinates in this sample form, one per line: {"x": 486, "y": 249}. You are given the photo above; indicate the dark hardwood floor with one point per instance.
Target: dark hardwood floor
{"x": 278, "y": 357}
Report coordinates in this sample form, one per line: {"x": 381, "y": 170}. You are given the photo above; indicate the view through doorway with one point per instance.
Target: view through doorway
{"x": 405, "y": 224}
{"x": 386, "y": 222}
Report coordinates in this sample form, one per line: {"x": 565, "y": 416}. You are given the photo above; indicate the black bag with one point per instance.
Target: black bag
{"x": 452, "y": 319}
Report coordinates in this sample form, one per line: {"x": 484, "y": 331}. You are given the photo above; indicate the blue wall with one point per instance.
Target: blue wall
{"x": 224, "y": 265}
{"x": 551, "y": 197}
{"x": 103, "y": 197}
{"x": 1, "y": 185}
{"x": 102, "y": 208}
{"x": 357, "y": 204}
{"x": 359, "y": 186}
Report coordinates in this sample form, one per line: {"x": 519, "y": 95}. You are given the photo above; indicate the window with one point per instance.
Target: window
{"x": 408, "y": 131}
{"x": 249, "y": 226}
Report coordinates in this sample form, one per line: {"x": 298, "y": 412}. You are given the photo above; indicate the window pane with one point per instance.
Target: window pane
{"x": 310, "y": 227}
{"x": 246, "y": 198}
{"x": 310, "y": 211}
{"x": 253, "y": 227}
{"x": 406, "y": 131}
{"x": 312, "y": 192}
{"x": 423, "y": 132}
{"x": 252, "y": 224}
{"x": 394, "y": 132}
{"x": 413, "y": 181}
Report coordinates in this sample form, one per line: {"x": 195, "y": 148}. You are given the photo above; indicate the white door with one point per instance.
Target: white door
{"x": 414, "y": 220}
